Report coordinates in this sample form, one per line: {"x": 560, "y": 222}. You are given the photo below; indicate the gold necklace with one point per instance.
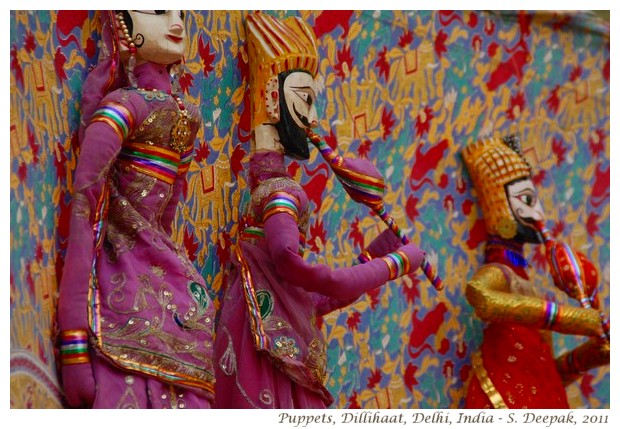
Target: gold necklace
{"x": 179, "y": 135}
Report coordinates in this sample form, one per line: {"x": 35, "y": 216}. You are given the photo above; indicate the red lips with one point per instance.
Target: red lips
{"x": 174, "y": 39}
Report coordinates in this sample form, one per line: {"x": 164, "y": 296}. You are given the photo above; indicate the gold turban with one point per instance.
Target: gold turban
{"x": 276, "y": 46}
{"x": 492, "y": 164}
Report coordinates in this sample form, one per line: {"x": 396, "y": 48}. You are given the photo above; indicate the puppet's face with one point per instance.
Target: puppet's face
{"x": 299, "y": 96}
{"x": 526, "y": 208}
{"x": 296, "y": 113}
{"x": 159, "y": 35}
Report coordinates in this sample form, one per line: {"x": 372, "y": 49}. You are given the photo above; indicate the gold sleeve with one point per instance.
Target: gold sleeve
{"x": 490, "y": 295}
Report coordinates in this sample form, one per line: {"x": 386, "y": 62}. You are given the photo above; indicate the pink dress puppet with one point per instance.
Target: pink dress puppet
{"x": 269, "y": 352}
{"x": 135, "y": 319}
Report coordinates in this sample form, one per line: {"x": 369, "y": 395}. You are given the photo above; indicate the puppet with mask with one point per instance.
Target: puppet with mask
{"x": 515, "y": 366}
{"x": 269, "y": 351}
{"x": 135, "y": 319}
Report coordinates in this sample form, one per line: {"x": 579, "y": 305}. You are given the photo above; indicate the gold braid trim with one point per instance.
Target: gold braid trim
{"x": 485, "y": 382}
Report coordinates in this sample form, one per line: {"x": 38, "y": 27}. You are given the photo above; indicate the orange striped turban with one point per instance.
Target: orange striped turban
{"x": 276, "y": 46}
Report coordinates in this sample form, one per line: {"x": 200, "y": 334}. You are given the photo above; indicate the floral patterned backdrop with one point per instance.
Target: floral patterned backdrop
{"x": 406, "y": 89}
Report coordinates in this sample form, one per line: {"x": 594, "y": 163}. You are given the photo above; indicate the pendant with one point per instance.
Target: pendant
{"x": 179, "y": 135}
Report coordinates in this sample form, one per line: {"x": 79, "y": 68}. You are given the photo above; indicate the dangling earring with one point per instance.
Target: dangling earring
{"x": 131, "y": 63}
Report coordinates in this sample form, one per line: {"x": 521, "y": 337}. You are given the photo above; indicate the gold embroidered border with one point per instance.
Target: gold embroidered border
{"x": 485, "y": 382}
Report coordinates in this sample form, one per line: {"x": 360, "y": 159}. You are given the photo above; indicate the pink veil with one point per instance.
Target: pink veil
{"x": 109, "y": 73}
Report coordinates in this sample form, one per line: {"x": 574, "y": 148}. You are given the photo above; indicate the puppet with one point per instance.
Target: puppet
{"x": 515, "y": 366}
{"x": 135, "y": 319}
{"x": 269, "y": 350}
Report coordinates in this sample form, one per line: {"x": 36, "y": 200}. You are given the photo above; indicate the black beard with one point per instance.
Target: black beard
{"x": 292, "y": 137}
{"x": 527, "y": 234}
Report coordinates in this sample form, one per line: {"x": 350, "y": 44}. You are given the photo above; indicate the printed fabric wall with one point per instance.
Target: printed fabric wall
{"x": 404, "y": 89}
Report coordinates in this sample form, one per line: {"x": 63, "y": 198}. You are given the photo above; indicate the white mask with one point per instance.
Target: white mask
{"x": 524, "y": 202}
{"x": 159, "y": 36}
{"x": 300, "y": 95}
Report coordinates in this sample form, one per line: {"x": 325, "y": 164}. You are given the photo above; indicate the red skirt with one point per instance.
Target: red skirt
{"x": 520, "y": 367}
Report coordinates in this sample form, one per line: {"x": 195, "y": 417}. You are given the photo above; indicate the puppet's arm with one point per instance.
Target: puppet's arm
{"x": 489, "y": 293}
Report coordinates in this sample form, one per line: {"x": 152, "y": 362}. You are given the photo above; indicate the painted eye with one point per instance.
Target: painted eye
{"x": 307, "y": 98}
{"x": 527, "y": 199}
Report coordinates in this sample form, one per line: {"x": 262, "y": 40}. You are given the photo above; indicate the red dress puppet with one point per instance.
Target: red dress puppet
{"x": 515, "y": 366}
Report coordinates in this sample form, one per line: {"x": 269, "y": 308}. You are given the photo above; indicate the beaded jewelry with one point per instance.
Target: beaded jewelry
{"x": 131, "y": 63}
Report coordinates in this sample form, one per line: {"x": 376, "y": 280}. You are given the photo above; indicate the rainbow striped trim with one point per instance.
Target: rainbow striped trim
{"x": 74, "y": 347}
{"x": 552, "y": 312}
{"x": 328, "y": 153}
{"x": 261, "y": 340}
{"x": 398, "y": 264}
{"x": 281, "y": 202}
{"x": 252, "y": 233}
{"x": 153, "y": 160}
{"x": 116, "y": 116}
{"x": 366, "y": 188}
{"x": 364, "y": 257}
{"x": 186, "y": 159}
{"x": 101, "y": 215}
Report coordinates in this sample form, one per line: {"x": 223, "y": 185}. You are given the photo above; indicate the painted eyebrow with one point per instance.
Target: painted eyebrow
{"x": 307, "y": 88}
{"x": 526, "y": 189}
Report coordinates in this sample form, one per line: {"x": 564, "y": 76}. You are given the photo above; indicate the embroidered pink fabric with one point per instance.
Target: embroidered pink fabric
{"x": 269, "y": 351}
{"x": 150, "y": 315}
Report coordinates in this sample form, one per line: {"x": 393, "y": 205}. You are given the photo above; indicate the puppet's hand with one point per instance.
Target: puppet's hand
{"x": 383, "y": 244}
{"x": 404, "y": 260}
{"x": 592, "y": 354}
{"x": 79, "y": 385}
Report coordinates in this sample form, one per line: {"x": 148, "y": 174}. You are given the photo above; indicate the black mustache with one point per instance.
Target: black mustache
{"x": 302, "y": 118}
